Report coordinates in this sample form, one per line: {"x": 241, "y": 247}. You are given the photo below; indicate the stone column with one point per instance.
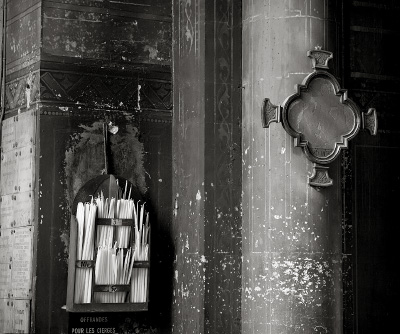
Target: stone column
{"x": 291, "y": 231}
{"x": 206, "y": 166}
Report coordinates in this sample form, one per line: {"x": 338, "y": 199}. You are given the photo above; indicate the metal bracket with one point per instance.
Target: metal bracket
{"x": 370, "y": 121}
{"x": 270, "y": 113}
{"x": 320, "y": 177}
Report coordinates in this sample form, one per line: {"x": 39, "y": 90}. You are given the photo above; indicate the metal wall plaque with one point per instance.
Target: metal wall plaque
{"x": 320, "y": 117}
{"x": 23, "y": 211}
{"x": 8, "y": 177}
{"x": 8, "y": 135}
{"x": 5, "y": 316}
{"x": 6, "y": 242}
{"x": 6, "y": 211}
{"x": 21, "y": 269}
{"x": 20, "y": 314}
{"x": 25, "y": 124}
{"x": 26, "y": 168}
{"x": 5, "y": 263}
{"x": 5, "y": 280}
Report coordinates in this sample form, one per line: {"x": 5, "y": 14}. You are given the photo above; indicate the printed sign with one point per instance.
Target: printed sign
{"x": 5, "y": 245}
{"x": 106, "y": 323}
{"x": 5, "y": 280}
{"x": 8, "y": 135}
{"x": 21, "y": 267}
{"x": 8, "y": 176}
{"x": 25, "y": 163}
{"x": 20, "y": 315}
{"x": 23, "y": 208}
{"x": 92, "y": 324}
{"x": 6, "y": 211}
{"x": 25, "y": 128}
{"x": 5, "y": 316}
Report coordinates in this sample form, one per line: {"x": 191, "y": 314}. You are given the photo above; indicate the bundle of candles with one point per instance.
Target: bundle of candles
{"x": 123, "y": 209}
{"x": 85, "y": 215}
{"x": 117, "y": 250}
{"x": 140, "y": 275}
{"x": 112, "y": 269}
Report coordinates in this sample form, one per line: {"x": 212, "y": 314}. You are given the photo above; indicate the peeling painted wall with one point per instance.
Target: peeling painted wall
{"x": 206, "y": 167}
{"x": 23, "y": 36}
{"x": 85, "y": 158}
{"x": 135, "y": 33}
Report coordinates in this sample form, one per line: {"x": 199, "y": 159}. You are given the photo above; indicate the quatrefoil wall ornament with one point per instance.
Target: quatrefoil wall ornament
{"x": 320, "y": 117}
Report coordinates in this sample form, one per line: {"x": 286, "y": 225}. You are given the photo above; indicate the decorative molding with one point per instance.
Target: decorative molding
{"x": 188, "y": 27}
{"x": 270, "y": 113}
{"x": 320, "y": 58}
{"x": 106, "y": 92}
{"x": 88, "y": 113}
{"x": 370, "y": 121}
{"x": 320, "y": 177}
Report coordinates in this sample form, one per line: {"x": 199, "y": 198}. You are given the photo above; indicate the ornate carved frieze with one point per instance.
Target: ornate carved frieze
{"x": 109, "y": 92}
{"x": 320, "y": 117}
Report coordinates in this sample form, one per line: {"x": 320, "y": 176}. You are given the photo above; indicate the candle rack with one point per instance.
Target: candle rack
{"x": 131, "y": 296}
